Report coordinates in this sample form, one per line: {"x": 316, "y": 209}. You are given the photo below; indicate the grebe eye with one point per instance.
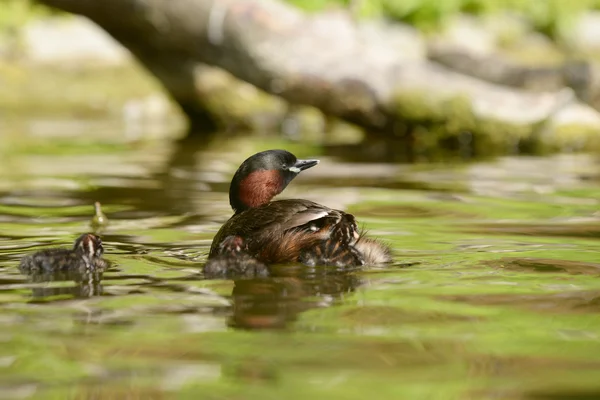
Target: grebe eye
{"x": 284, "y": 166}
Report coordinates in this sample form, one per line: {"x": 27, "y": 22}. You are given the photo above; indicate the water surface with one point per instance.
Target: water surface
{"x": 494, "y": 292}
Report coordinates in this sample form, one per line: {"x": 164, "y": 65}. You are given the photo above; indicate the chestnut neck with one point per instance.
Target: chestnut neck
{"x": 255, "y": 189}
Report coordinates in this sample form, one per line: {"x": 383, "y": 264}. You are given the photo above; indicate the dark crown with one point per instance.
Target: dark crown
{"x": 263, "y": 176}
{"x": 89, "y": 245}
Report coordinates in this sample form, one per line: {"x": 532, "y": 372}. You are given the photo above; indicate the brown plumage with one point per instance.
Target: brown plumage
{"x": 286, "y": 231}
{"x": 86, "y": 255}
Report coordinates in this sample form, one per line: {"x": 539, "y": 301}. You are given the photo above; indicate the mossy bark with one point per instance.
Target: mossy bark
{"x": 346, "y": 71}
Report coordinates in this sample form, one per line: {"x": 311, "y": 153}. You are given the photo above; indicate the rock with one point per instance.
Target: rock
{"x": 578, "y": 113}
{"x": 574, "y": 128}
{"x": 147, "y": 116}
{"x": 585, "y": 34}
{"x": 470, "y": 34}
{"x": 398, "y": 41}
{"x": 60, "y": 41}
{"x": 534, "y": 49}
{"x": 506, "y": 28}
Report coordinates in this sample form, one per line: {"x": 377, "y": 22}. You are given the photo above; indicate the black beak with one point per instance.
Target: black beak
{"x": 301, "y": 165}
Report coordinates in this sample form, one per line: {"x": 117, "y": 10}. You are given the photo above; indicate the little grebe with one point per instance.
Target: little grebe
{"x": 284, "y": 231}
{"x": 86, "y": 255}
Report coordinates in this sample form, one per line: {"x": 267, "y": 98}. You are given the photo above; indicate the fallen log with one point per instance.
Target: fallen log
{"x": 363, "y": 73}
{"x": 581, "y": 76}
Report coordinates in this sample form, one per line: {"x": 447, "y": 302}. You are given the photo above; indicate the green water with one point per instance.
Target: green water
{"x": 494, "y": 293}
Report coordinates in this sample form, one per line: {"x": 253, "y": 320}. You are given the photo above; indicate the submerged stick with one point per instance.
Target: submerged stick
{"x": 99, "y": 221}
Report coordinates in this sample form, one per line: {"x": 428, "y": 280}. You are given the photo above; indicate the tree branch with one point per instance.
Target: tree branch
{"x": 358, "y": 72}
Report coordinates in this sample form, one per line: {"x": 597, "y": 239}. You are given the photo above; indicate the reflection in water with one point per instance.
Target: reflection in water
{"x": 179, "y": 174}
{"x": 563, "y": 395}
{"x": 565, "y": 301}
{"x": 410, "y": 332}
{"x": 86, "y": 284}
{"x": 274, "y": 303}
{"x": 581, "y": 230}
{"x": 533, "y": 264}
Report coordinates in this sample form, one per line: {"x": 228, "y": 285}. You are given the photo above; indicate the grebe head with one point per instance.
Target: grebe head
{"x": 89, "y": 245}
{"x": 263, "y": 176}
